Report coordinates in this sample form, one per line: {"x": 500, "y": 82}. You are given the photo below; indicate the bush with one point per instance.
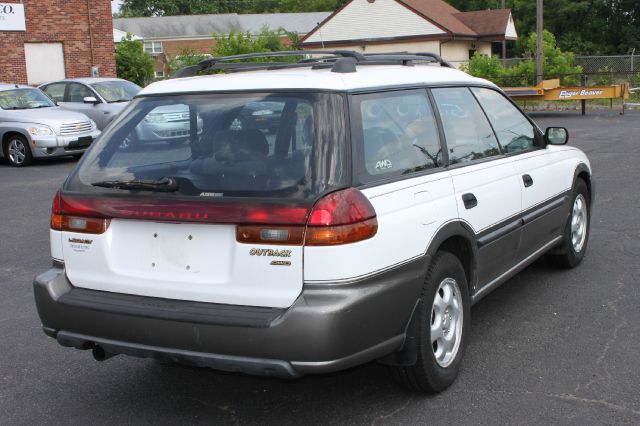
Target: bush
{"x": 185, "y": 58}
{"x": 132, "y": 62}
{"x": 267, "y": 41}
{"x": 557, "y": 64}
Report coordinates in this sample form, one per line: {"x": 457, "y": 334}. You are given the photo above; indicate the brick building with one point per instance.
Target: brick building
{"x": 43, "y": 40}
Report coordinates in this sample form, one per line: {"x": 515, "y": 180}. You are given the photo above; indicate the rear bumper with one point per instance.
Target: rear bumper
{"x": 330, "y": 327}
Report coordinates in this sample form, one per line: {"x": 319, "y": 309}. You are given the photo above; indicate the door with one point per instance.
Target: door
{"x": 44, "y": 61}
{"x": 543, "y": 201}
{"x": 487, "y": 187}
{"x": 74, "y": 101}
{"x": 397, "y": 159}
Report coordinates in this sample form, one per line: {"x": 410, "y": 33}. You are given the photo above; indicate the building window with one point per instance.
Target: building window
{"x": 153, "y": 47}
{"x": 159, "y": 74}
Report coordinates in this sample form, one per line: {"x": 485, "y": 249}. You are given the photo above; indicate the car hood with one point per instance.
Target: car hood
{"x": 53, "y": 117}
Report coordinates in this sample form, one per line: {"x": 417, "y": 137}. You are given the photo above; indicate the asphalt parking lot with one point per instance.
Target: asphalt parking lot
{"x": 549, "y": 347}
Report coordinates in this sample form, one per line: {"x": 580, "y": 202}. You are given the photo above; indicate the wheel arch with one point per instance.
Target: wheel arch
{"x": 7, "y": 132}
{"x": 458, "y": 239}
{"x": 583, "y": 172}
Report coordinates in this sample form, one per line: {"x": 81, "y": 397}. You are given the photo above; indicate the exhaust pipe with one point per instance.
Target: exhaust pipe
{"x": 99, "y": 354}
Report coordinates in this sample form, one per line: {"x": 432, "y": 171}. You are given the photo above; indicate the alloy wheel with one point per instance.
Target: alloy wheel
{"x": 446, "y": 322}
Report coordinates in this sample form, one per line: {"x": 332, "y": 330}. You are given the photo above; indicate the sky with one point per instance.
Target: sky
{"x": 115, "y": 5}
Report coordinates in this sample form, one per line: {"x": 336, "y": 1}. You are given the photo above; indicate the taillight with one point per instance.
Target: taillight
{"x": 61, "y": 220}
{"x": 281, "y": 235}
{"x": 341, "y": 217}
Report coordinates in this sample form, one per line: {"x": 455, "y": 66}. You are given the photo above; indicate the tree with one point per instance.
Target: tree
{"x": 557, "y": 64}
{"x": 132, "y": 62}
{"x": 185, "y": 58}
{"x": 267, "y": 41}
{"x": 131, "y": 8}
{"x": 581, "y": 26}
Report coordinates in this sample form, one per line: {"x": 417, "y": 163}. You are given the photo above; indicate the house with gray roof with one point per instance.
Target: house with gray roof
{"x": 166, "y": 36}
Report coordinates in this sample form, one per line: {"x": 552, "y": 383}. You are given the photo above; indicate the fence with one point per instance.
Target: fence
{"x": 598, "y": 70}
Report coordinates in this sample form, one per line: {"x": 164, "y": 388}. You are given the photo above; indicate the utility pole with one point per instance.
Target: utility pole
{"x": 504, "y": 44}
{"x": 540, "y": 48}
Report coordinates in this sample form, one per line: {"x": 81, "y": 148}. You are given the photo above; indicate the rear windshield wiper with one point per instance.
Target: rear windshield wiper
{"x": 165, "y": 184}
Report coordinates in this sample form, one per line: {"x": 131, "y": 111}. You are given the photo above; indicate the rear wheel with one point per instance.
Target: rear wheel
{"x": 576, "y": 231}
{"x": 17, "y": 151}
{"x": 440, "y": 333}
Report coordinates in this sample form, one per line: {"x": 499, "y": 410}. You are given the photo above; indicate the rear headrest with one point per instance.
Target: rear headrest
{"x": 233, "y": 144}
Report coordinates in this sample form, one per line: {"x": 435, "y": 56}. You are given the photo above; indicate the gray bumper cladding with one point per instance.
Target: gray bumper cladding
{"x": 330, "y": 327}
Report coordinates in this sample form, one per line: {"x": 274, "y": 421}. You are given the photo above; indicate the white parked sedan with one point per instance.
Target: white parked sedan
{"x": 32, "y": 126}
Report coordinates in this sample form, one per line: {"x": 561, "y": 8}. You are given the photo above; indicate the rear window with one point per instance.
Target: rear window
{"x": 222, "y": 145}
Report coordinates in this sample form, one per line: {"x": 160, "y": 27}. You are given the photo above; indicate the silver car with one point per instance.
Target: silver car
{"x": 32, "y": 126}
{"x": 101, "y": 99}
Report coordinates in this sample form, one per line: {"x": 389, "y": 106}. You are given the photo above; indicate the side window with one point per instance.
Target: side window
{"x": 469, "y": 135}
{"x": 77, "y": 92}
{"x": 515, "y": 132}
{"x": 395, "y": 133}
{"x": 56, "y": 91}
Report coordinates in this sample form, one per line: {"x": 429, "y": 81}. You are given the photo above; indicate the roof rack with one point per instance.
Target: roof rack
{"x": 340, "y": 61}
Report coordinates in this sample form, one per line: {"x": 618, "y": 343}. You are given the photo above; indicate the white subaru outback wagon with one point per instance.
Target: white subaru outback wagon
{"x": 385, "y": 195}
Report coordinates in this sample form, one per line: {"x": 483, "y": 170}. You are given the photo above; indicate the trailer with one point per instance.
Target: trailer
{"x": 550, "y": 90}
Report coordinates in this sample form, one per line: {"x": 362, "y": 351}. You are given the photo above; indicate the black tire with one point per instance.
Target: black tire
{"x": 427, "y": 374}
{"x": 77, "y": 156}
{"x": 566, "y": 255}
{"x": 21, "y": 158}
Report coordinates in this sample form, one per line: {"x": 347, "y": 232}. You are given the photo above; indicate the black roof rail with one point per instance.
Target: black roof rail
{"x": 340, "y": 61}
{"x": 412, "y": 55}
{"x": 214, "y": 63}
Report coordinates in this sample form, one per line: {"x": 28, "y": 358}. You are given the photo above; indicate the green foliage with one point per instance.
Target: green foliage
{"x": 132, "y": 62}
{"x": 131, "y": 8}
{"x": 557, "y": 64}
{"x": 582, "y": 26}
{"x": 185, "y": 58}
{"x": 267, "y": 41}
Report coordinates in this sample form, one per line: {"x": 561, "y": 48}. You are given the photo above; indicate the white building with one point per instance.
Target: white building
{"x": 412, "y": 25}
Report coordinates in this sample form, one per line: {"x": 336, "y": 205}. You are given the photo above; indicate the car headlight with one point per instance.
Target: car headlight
{"x": 41, "y": 131}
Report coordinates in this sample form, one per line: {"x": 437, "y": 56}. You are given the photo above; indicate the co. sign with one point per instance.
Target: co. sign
{"x": 12, "y": 17}
{"x": 6, "y": 9}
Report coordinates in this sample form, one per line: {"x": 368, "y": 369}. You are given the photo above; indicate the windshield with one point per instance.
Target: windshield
{"x": 117, "y": 91}
{"x": 222, "y": 145}
{"x": 24, "y": 99}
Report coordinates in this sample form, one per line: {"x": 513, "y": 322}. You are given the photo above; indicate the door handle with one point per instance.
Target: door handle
{"x": 469, "y": 200}
{"x": 528, "y": 181}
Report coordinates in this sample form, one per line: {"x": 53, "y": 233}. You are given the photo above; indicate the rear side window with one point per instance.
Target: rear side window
{"x": 249, "y": 145}
{"x": 77, "y": 92}
{"x": 515, "y": 133}
{"x": 394, "y": 133}
{"x": 56, "y": 91}
{"x": 469, "y": 135}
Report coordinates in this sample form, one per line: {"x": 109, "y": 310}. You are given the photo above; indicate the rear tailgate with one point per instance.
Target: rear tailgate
{"x": 183, "y": 261}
